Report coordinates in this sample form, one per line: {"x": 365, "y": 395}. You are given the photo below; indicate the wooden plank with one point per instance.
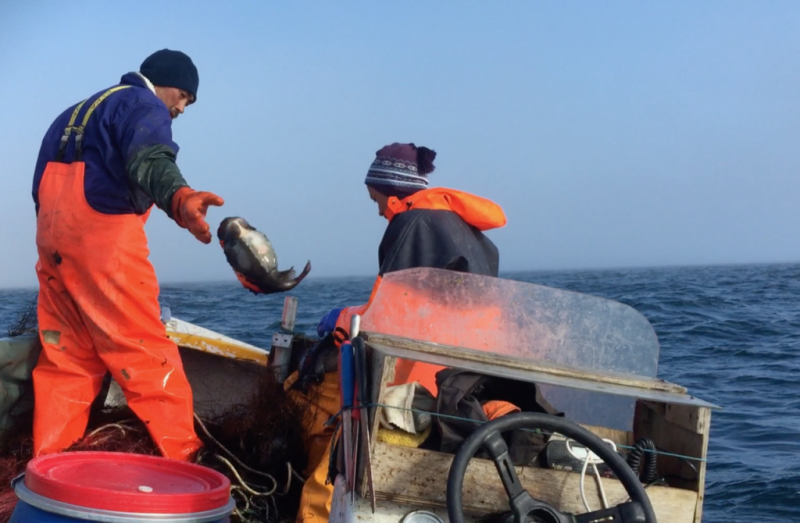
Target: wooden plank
{"x": 383, "y": 369}
{"x": 620, "y": 437}
{"x": 679, "y": 435}
{"x": 704, "y": 420}
{"x": 419, "y": 477}
{"x": 523, "y": 365}
{"x": 688, "y": 417}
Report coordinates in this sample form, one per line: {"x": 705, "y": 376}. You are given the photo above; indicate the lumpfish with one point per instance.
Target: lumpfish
{"x": 250, "y": 254}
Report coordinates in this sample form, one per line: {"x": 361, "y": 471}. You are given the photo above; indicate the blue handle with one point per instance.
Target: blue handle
{"x": 347, "y": 375}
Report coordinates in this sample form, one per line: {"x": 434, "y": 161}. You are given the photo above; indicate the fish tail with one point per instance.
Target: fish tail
{"x": 289, "y": 279}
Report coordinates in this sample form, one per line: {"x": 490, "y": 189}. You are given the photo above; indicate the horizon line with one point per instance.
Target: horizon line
{"x": 170, "y": 283}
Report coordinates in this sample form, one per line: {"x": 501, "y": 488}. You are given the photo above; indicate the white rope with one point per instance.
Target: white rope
{"x": 121, "y": 426}
{"x": 232, "y": 455}
{"x": 241, "y": 481}
{"x": 590, "y": 458}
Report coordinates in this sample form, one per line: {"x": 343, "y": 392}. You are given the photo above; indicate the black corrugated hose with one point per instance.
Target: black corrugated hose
{"x": 641, "y": 448}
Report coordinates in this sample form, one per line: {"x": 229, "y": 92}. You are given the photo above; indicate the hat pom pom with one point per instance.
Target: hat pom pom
{"x": 425, "y": 159}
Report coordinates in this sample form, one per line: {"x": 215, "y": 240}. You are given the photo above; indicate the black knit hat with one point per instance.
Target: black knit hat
{"x": 168, "y": 68}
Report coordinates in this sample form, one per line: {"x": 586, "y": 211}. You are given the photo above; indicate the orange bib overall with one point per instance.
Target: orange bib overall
{"x": 98, "y": 310}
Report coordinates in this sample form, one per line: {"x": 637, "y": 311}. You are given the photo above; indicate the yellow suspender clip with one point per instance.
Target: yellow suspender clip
{"x": 79, "y": 130}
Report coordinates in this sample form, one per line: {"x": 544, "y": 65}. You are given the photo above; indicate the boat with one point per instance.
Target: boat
{"x": 593, "y": 359}
{"x": 221, "y": 370}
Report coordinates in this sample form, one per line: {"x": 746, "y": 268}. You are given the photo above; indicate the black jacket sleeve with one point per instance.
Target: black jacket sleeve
{"x": 144, "y": 135}
{"x": 153, "y": 171}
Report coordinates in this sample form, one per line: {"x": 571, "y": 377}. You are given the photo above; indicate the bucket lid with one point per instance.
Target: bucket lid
{"x": 127, "y": 482}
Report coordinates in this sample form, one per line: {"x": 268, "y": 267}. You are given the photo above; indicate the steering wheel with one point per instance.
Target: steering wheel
{"x": 524, "y": 507}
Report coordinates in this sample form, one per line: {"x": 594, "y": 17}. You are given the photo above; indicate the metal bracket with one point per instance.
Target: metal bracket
{"x": 282, "y": 340}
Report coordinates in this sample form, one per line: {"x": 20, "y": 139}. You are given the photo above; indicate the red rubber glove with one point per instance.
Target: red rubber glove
{"x": 189, "y": 209}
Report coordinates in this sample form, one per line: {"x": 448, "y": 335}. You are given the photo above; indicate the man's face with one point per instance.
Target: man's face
{"x": 175, "y": 99}
{"x": 378, "y": 198}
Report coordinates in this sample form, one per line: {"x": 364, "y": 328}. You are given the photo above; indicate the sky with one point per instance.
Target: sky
{"x": 613, "y": 134}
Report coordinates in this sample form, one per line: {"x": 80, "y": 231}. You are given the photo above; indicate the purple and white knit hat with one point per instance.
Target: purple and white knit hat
{"x": 401, "y": 169}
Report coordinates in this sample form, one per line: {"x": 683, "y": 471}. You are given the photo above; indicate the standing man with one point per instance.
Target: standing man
{"x": 102, "y": 165}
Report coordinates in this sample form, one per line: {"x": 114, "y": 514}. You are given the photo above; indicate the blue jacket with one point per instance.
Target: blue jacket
{"x": 129, "y": 126}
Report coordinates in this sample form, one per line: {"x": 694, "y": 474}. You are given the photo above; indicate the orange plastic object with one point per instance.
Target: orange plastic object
{"x": 343, "y": 321}
{"x": 394, "y": 310}
{"x": 406, "y": 371}
{"x": 98, "y": 309}
{"x": 496, "y": 408}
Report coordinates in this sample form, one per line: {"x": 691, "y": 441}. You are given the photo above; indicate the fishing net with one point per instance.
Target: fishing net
{"x": 256, "y": 440}
{"x": 257, "y": 444}
{"x": 15, "y": 452}
{"x": 27, "y": 321}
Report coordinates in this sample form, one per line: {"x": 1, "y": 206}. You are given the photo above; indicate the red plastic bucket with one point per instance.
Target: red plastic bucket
{"x": 124, "y": 486}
